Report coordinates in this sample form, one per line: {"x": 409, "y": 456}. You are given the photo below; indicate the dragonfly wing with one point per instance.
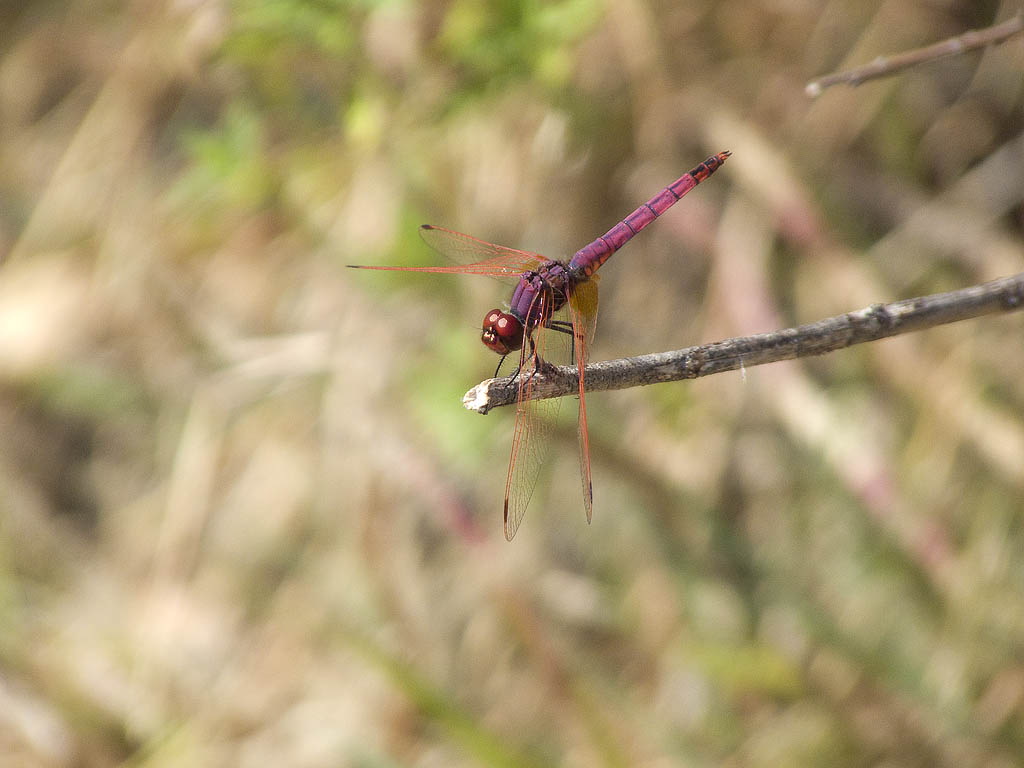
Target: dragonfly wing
{"x": 471, "y": 256}
{"x": 478, "y": 256}
{"x": 535, "y": 420}
{"x": 583, "y": 313}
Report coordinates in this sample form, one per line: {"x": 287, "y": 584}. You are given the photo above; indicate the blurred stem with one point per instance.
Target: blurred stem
{"x": 566, "y": 686}
{"x": 878, "y": 321}
{"x": 439, "y": 708}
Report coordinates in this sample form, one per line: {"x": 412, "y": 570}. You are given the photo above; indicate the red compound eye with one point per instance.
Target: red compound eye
{"x": 502, "y": 332}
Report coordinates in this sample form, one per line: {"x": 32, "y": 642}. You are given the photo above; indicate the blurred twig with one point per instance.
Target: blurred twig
{"x": 436, "y": 706}
{"x": 869, "y": 324}
{"x": 890, "y": 65}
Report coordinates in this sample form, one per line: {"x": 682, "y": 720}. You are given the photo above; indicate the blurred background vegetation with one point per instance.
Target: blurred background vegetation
{"x": 244, "y": 518}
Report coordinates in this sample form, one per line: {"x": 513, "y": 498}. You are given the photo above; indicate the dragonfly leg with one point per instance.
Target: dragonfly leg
{"x": 514, "y": 373}
{"x": 565, "y": 327}
{"x": 543, "y": 366}
{"x": 540, "y": 365}
{"x": 496, "y": 370}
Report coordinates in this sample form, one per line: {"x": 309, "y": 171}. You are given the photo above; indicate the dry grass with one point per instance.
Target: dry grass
{"x": 244, "y": 519}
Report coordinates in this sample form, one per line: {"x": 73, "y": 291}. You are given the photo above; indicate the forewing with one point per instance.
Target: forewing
{"x": 535, "y": 420}
{"x": 583, "y": 313}
{"x": 472, "y": 256}
{"x": 477, "y": 256}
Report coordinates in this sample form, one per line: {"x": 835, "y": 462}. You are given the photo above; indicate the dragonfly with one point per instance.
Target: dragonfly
{"x": 543, "y": 287}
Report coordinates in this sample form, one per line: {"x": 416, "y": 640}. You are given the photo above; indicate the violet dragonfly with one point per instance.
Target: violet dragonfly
{"x": 543, "y": 287}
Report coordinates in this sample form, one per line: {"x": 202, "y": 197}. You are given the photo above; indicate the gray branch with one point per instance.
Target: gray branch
{"x": 884, "y": 66}
{"x": 878, "y": 321}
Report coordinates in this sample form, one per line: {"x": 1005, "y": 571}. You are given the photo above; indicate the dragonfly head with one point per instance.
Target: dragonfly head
{"x": 502, "y": 332}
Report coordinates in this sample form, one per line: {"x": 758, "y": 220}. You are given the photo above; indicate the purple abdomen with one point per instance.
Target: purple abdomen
{"x": 590, "y": 257}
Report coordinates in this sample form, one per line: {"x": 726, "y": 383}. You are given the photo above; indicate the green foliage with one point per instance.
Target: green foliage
{"x": 497, "y": 41}
{"x": 89, "y": 391}
{"x": 288, "y": 27}
{"x": 748, "y": 668}
{"x": 453, "y": 361}
{"x": 438, "y": 708}
{"x": 228, "y": 166}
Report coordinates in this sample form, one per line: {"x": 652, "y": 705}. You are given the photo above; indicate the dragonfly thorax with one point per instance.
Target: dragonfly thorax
{"x": 502, "y": 332}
